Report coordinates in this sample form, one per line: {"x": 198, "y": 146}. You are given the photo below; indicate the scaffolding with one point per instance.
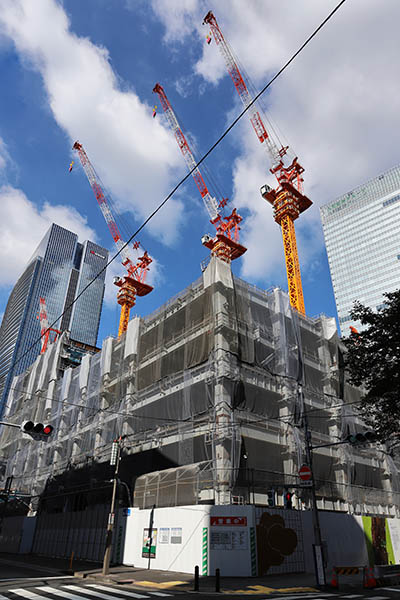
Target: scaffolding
{"x": 204, "y": 394}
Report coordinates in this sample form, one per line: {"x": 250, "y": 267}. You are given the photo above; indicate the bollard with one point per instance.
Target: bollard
{"x": 217, "y": 580}
{"x": 196, "y": 578}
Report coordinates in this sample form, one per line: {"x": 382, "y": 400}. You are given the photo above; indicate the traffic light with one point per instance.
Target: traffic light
{"x": 361, "y": 438}
{"x": 271, "y": 497}
{"x": 287, "y": 497}
{"x": 37, "y": 431}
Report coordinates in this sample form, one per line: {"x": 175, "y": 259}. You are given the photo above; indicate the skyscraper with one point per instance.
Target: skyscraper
{"x": 58, "y": 271}
{"x": 362, "y": 237}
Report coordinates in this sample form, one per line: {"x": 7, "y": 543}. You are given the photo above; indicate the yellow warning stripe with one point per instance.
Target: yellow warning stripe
{"x": 162, "y": 586}
{"x": 347, "y": 570}
{"x": 261, "y": 589}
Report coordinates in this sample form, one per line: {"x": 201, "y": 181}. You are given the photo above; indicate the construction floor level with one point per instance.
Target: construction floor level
{"x": 208, "y": 395}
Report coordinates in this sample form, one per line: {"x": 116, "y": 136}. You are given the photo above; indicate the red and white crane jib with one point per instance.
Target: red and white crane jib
{"x": 136, "y": 271}
{"x": 45, "y": 330}
{"x": 44, "y": 322}
{"x": 226, "y": 243}
{"x": 211, "y": 203}
{"x": 275, "y": 153}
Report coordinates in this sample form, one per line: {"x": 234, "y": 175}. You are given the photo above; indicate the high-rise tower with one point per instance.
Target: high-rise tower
{"x": 362, "y": 230}
{"x": 58, "y": 271}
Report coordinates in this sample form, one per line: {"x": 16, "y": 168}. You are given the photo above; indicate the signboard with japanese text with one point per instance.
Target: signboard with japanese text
{"x": 228, "y": 521}
{"x": 149, "y": 546}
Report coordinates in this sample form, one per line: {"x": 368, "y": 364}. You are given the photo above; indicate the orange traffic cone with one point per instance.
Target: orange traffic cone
{"x": 334, "y": 580}
{"x": 372, "y": 580}
{"x": 369, "y": 579}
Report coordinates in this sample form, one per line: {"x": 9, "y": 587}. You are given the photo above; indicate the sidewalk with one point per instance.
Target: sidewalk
{"x": 165, "y": 580}
{"x": 150, "y": 579}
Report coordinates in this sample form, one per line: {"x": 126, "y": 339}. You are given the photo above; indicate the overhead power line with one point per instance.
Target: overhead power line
{"x": 178, "y": 185}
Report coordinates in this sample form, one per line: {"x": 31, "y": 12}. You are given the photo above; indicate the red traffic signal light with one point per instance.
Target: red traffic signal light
{"x": 288, "y": 499}
{"x": 37, "y": 430}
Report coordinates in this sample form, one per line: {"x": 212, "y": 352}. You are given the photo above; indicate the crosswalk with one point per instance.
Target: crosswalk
{"x": 77, "y": 592}
{"x": 339, "y": 596}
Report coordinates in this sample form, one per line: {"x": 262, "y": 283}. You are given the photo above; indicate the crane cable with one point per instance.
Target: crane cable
{"x": 178, "y": 185}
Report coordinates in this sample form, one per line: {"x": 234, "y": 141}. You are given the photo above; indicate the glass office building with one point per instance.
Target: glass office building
{"x": 58, "y": 271}
{"x": 362, "y": 237}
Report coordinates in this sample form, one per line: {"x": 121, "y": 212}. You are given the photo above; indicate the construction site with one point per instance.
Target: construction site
{"x": 218, "y": 402}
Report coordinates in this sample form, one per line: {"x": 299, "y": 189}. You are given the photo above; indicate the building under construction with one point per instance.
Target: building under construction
{"x": 209, "y": 395}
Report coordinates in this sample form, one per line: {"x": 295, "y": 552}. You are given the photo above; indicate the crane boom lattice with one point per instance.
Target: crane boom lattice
{"x": 225, "y": 244}
{"x": 133, "y": 284}
{"x": 45, "y": 330}
{"x": 287, "y": 199}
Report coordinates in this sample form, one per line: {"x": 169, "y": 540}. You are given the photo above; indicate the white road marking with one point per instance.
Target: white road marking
{"x": 316, "y": 596}
{"x": 123, "y": 592}
{"x": 58, "y": 592}
{"x": 378, "y": 598}
{"x": 154, "y": 594}
{"x": 28, "y": 594}
{"x": 391, "y": 589}
{"x": 4, "y": 597}
{"x": 86, "y": 590}
{"x": 40, "y": 578}
{"x": 353, "y": 596}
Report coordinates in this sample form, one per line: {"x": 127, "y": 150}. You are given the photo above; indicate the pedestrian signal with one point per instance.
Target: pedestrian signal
{"x": 288, "y": 499}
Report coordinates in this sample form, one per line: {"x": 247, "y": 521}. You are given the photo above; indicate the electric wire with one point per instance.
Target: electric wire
{"x": 180, "y": 183}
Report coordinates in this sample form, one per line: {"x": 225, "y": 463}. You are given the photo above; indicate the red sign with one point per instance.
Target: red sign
{"x": 305, "y": 473}
{"x": 230, "y": 521}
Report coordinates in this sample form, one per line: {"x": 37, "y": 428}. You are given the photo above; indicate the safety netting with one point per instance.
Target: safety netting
{"x": 215, "y": 386}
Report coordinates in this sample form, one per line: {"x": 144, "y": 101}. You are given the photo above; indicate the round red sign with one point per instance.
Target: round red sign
{"x": 305, "y": 473}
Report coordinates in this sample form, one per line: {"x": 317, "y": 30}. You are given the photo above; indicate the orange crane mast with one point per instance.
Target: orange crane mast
{"x": 133, "y": 284}
{"x": 225, "y": 245}
{"x": 288, "y": 199}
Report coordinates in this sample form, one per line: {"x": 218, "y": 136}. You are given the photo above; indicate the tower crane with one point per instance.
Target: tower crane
{"x": 45, "y": 330}
{"x": 288, "y": 200}
{"x": 225, "y": 245}
{"x": 133, "y": 284}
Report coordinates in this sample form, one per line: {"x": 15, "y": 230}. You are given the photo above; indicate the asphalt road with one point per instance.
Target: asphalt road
{"x": 23, "y": 582}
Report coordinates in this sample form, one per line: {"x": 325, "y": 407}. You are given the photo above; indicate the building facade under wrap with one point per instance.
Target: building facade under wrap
{"x": 208, "y": 395}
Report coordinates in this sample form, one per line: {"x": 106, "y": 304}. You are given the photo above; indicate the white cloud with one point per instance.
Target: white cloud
{"x": 115, "y": 127}
{"x": 338, "y": 104}
{"x": 4, "y": 156}
{"x": 24, "y": 225}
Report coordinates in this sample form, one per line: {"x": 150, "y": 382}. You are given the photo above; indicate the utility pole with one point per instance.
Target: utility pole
{"x": 7, "y": 490}
{"x": 114, "y": 460}
{"x": 317, "y": 546}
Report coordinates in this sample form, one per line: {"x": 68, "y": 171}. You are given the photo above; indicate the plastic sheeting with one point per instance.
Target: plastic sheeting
{"x": 212, "y": 376}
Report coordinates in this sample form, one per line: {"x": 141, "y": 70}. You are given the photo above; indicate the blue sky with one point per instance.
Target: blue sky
{"x": 85, "y": 70}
